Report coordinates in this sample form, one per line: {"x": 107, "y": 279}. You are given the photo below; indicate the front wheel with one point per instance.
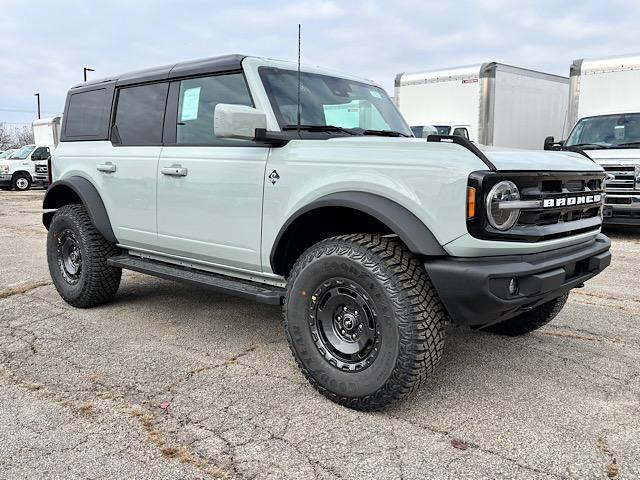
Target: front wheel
{"x": 363, "y": 320}
{"x": 21, "y": 182}
{"x": 77, "y": 255}
{"x": 529, "y": 321}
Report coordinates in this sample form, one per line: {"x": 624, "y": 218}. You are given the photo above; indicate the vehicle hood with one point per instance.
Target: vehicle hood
{"x": 534, "y": 160}
{"x": 504, "y": 159}
{"x": 620, "y": 156}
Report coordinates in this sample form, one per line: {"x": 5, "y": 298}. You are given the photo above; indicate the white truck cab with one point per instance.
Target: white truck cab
{"x": 604, "y": 113}
{"x": 443, "y": 128}
{"x": 25, "y": 167}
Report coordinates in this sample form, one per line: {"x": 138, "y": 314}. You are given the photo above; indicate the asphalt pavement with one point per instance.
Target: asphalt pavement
{"x": 172, "y": 382}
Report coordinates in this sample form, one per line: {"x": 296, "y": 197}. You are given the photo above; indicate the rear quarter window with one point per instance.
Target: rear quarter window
{"x": 87, "y": 114}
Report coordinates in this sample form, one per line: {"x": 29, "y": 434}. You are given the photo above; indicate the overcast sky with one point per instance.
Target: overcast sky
{"x": 45, "y": 44}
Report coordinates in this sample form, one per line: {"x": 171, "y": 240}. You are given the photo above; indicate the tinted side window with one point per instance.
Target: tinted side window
{"x": 140, "y": 114}
{"x": 197, "y": 102}
{"x": 86, "y": 113}
{"x": 40, "y": 153}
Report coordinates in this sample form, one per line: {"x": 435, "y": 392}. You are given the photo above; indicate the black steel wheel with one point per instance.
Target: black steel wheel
{"x": 344, "y": 324}
{"x": 69, "y": 257}
{"x": 363, "y": 320}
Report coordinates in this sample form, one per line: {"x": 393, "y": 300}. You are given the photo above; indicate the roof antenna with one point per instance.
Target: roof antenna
{"x": 298, "y": 80}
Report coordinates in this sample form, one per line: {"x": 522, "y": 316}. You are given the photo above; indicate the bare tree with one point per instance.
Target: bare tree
{"x": 6, "y": 140}
{"x": 22, "y": 136}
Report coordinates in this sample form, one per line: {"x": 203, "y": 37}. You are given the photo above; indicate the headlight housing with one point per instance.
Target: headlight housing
{"x": 637, "y": 177}
{"x": 4, "y": 168}
{"x": 499, "y": 215}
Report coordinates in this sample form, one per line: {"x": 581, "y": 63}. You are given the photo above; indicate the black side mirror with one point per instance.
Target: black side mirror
{"x": 549, "y": 143}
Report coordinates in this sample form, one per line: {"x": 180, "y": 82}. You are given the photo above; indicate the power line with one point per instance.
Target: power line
{"x": 18, "y": 110}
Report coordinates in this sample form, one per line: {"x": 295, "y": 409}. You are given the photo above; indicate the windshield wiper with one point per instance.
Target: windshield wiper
{"x": 319, "y": 128}
{"x": 627, "y": 144}
{"x": 384, "y": 133}
{"x": 589, "y": 145}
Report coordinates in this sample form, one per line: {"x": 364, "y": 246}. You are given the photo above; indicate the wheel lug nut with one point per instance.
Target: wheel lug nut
{"x": 356, "y": 312}
{"x": 344, "y": 309}
{"x": 353, "y": 336}
{"x": 343, "y": 332}
{"x": 360, "y": 327}
{"x": 339, "y": 318}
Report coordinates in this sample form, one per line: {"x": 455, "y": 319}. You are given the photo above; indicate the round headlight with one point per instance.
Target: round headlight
{"x": 502, "y": 218}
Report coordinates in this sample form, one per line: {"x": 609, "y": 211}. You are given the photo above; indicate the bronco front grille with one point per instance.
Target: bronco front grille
{"x": 540, "y": 223}
{"x": 562, "y": 186}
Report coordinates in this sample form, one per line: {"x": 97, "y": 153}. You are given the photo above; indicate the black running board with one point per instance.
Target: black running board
{"x": 220, "y": 283}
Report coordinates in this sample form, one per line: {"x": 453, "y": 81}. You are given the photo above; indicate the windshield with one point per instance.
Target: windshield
{"x": 443, "y": 129}
{"x": 22, "y": 153}
{"x": 6, "y": 154}
{"x": 607, "y": 131}
{"x": 423, "y": 131}
{"x": 326, "y": 100}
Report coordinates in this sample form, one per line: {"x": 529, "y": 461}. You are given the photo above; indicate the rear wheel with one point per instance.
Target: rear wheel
{"x": 363, "y": 320}
{"x": 529, "y": 321}
{"x": 21, "y": 182}
{"x": 77, "y": 255}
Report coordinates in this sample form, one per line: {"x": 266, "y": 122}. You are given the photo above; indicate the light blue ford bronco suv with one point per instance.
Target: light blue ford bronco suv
{"x": 307, "y": 190}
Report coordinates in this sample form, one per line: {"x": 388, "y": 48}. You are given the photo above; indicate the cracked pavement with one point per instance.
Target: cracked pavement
{"x": 80, "y": 390}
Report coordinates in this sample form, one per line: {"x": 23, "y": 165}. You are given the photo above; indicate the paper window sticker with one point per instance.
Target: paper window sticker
{"x": 190, "y": 103}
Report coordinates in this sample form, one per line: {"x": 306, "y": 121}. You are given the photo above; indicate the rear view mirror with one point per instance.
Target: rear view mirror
{"x": 237, "y": 121}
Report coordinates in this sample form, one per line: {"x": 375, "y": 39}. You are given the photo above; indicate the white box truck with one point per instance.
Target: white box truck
{"x": 46, "y": 131}
{"x": 604, "y": 118}
{"x": 497, "y": 104}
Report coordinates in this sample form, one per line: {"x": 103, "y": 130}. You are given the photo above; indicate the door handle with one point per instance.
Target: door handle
{"x": 106, "y": 167}
{"x": 174, "y": 171}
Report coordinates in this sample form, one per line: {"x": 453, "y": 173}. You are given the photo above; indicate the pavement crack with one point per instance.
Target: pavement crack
{"x": 24, "y": 288}
{"x": 612, "y": 469}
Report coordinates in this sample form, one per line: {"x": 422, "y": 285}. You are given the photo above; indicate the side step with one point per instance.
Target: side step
{"x": 220, "y": 283}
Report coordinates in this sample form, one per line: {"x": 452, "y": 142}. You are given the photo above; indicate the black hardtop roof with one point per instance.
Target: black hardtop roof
{"x": 182, "y": 69}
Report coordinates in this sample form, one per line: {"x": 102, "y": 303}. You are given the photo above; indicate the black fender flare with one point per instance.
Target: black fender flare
{"x": 62, "y": 192}
{"x": 411, "y": 230}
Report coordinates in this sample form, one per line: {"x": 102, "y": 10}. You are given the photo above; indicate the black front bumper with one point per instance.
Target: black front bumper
{"x": 475, "y": 291}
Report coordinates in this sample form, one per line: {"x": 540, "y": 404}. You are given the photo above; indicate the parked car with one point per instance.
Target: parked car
{"x": 25, "y": 167}
{"x": 212, "y": 173}
{"x": 604, "y": 111}
{"x": 441, "y": 128}
{"x": 490, "y": 103}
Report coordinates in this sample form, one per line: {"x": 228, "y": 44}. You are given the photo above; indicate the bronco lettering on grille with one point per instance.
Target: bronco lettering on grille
{"x": 571, "y": 201}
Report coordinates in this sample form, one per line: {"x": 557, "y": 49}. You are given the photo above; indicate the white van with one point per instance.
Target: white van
{"x": 604, "y": 111}
{"x": 25, "y": 167}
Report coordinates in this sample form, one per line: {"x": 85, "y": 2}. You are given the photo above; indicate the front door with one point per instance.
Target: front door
{"x": 210, "y": 189}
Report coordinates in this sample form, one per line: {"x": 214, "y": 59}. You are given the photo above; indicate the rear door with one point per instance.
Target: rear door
{"x": 127, "y": 168}
{"x": 209, "y": 189}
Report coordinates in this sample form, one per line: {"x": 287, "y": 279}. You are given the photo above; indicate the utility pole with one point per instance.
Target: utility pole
{"x": 85, "y": 70}
{"x": 38, "y": 97}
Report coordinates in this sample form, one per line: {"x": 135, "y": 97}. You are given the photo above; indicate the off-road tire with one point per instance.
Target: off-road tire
{"x": 529, "y": 321}
{"x": 409, "y": 315}
{"x": 16, "y": 182}
{"x": 97, "y": 282}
